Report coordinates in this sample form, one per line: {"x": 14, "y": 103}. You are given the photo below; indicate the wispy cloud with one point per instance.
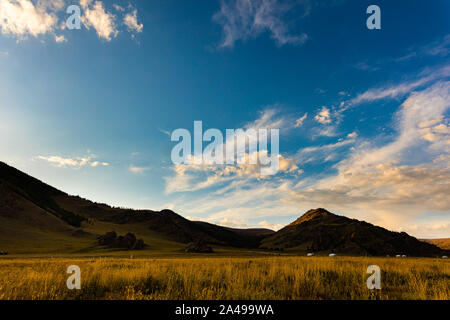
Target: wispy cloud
{"x": 243, "y": 19}
{"x": 166, "y": 132}
{"x": 97, "y": 17}
{"x": 299, "y": 121}
{"x": 271, "y": 226}
{"x": 76, "y": 162}
{"x": 323, "y": 153}
{"x": 362, "y": 65}
{"x": 330, "y": 131}
{"x": 138, "y": 170}
{"x": 271, "y": 118}
{"x": 395, "y": 91}
{"x": 439, "y": 48}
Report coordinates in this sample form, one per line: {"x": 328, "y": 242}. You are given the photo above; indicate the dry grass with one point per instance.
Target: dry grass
{"x": 225, "y": 278}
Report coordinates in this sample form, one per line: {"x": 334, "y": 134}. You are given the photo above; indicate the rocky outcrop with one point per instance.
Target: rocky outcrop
{"x": 129, "y": 241}
{"x": 198, "y": 246}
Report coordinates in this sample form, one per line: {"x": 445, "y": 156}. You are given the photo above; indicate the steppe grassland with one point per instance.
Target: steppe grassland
{"x": 225, "y": 278}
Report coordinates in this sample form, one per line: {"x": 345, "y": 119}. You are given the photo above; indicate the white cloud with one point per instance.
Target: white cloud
{"x": 225, "y": 222}
{"x": 138, "y": 170}
{"x": 243, "y": 19}
{"x": 60, "y": 39}
{"x": 430, "y": 123}
{"x": 118, "y": 8}
{"x": 299, "y": 121}
{"x": 60, "y": 161}
{"x": 428, "y": 229}
{"x": 54, "y": 5}
{"x": 21, "y": 18}
{"x": 130, "y": 20}
{"x": 323, "y": 116}
{"x": 442, "y": 128}
{"x": 271, "y": 226}
{"x": 77, "y": 162}
{"x": 95, "y": 16}
{"x": 328, "y": 129}
{"x": 99, "y": 163}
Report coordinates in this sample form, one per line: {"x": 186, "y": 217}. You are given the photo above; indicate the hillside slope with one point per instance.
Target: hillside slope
{"x": 35, "y": 216}
{"x": 321, "y": 231}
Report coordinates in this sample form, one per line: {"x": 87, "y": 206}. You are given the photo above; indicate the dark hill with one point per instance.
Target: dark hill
{"x": 321, "y": 231}
{"x": 27, "y": 204}
{"x": 16, "y": 184}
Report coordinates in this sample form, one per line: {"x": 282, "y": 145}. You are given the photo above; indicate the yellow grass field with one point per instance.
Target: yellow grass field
{"x": 225, "y": 278}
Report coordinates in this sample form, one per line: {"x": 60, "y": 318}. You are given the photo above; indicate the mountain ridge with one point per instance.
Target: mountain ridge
{"x": 35, "y": 215}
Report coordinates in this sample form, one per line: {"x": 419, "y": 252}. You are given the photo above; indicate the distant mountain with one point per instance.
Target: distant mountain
{"x": 443, "y": 243}
{"x": 321, "y": 231}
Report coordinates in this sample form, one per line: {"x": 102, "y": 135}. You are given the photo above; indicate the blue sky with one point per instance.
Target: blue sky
{"x": 363, "y": 114}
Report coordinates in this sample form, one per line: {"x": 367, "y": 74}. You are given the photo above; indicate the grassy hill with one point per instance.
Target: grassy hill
{"x": 36, "y": 218}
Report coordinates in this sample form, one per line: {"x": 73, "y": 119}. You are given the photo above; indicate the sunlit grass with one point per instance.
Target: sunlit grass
{"x": 225, "y": 278}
